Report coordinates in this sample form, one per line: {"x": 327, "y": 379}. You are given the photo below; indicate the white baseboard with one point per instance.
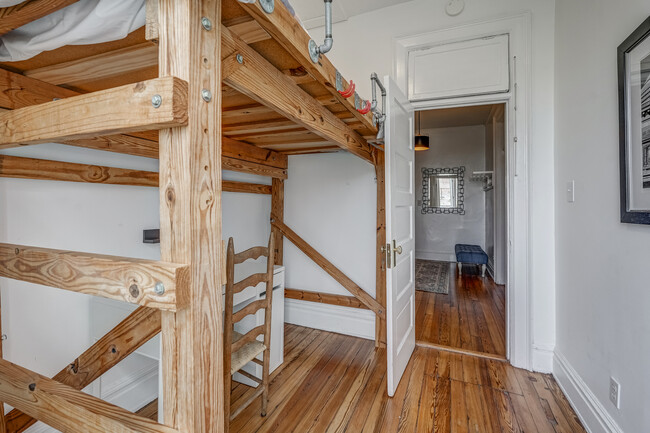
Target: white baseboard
{"x": 589, "y": 409}
{"x": 435, "y": 255}
{"x": 542, "y": 358}
{"x": 333, "y": 318}
{"x": 131, "y": 391}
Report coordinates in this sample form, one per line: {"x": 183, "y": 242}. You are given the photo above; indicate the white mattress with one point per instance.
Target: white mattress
{"x": 83, "y": 22}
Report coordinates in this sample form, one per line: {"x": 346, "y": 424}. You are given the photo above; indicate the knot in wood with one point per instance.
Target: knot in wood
{"x": 134, "y": 290}
{"x": 32, "y": 387}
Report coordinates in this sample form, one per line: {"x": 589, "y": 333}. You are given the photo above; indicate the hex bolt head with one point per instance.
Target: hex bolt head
{"x": 206, "y": 95}
{"x": 159, "y": 288}
{"x": 134, "y": 291}
{"x": 156, "y": 101}
{"x": 32, "y": 387}
{"x": 206, "y": 23}
{"x": 240, "y": 59}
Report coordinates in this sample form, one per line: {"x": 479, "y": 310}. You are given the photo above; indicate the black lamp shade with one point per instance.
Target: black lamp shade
{"x": 421, "y": 142}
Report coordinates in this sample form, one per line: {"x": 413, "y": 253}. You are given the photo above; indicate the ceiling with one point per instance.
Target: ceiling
{"x": 453, "y": 117}
{"x": 312, "y": 12}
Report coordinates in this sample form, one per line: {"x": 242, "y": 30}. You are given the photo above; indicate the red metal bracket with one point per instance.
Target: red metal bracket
{"x": 366, "y": 109}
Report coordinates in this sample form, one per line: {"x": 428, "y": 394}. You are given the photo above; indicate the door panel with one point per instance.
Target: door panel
{"x": 400, "y": 203}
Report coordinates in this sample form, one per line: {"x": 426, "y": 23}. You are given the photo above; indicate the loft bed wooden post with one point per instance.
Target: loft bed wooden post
{"x": 277, "y": 214}
{"x": 190, "y": 216}
{"x": 380, "y": 294}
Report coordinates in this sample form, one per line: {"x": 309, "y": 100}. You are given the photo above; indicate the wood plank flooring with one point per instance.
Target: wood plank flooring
{"x": 471, "y": 317}
{"x": 335, "y": 383}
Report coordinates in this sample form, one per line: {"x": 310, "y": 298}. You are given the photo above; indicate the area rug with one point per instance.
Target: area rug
{"x": 432, "y": 276}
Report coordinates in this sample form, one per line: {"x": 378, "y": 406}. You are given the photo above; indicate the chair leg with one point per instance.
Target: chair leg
{"x": 227, "y": 385}
{"x": 265, "y": 381}
{"x": 460, "y": 268}
{"x": 483, "y": 267}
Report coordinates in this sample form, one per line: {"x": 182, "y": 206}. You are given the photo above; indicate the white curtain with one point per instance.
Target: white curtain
{"x": 84, "y": 22}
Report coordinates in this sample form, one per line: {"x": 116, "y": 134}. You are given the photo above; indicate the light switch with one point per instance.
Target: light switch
{"x": 570, "y": 191}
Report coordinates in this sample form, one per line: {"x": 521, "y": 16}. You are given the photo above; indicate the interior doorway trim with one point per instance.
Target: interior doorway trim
{"x": 519, "y": 347}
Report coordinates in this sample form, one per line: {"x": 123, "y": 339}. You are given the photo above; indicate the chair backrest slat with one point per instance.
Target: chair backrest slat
{"x": 251, "y": 280}
{"x": 251, "y": 254}
{"x": 251, "y": 308}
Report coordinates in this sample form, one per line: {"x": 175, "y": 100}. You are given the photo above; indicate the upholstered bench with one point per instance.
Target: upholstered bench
{"x": 470, "y": 254}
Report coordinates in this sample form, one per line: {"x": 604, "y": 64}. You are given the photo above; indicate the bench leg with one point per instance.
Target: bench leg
{"x": 460, "y": 268}
{"x": 483, "y": 267}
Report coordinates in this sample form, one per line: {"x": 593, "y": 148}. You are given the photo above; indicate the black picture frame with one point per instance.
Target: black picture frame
{"x": 628, "y": 215}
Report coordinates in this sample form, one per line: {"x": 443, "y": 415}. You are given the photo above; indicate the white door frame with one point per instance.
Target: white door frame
{"x": 519, "y": 348}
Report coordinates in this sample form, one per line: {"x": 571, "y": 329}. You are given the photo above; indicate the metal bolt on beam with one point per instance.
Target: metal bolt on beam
{"x": 156, "y": 101}
{"x": 206, "y": 23}
{"x": 206, "y": 95}
{"x": 159, "y": 289}
{"x": 240, "y": 59}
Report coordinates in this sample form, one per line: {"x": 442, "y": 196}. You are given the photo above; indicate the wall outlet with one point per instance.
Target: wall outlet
{"x": 615, "y": 392}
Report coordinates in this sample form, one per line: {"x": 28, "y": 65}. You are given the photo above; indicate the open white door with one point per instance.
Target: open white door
{"x": 400, "y": 203}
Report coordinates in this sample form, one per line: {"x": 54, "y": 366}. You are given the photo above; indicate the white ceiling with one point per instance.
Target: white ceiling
{"x": 312, "y": 12}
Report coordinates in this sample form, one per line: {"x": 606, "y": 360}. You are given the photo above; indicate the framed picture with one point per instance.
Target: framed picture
{"x": 634, "y": 125}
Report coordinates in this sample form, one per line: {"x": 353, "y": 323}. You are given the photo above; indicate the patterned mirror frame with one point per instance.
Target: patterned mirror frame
{"x": 426, "y": 178}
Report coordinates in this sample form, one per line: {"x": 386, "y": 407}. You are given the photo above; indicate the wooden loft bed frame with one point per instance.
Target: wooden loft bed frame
{"x": 273, "y": 102}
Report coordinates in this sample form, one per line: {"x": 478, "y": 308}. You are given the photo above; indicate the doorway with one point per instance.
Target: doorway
{"x": 460, "y": 229}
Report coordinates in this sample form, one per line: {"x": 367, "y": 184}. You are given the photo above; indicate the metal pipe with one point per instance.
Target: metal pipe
{"x": 315, "y": 50}
{"x": 329, "y": 41}
{"x": 379, "y": 116}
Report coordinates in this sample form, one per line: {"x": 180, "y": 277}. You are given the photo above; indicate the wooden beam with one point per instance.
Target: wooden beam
{"x": 19, "y": 91}
{"x": 124, "y": 339}
{"x": 252, "y": 168}
{"x": 151, "y": 22}
{"x": 277, "y": 214}
{"x": 238, "y": 150}
{"x": 380, "y": 272}
{"x": 324, "y": 298}
{"x": 126, "y": 144}
{"x": 190, "y": 218}
{"x": 332, "y": 270}
{"x": 123, "y": 279}
{"x": 251, "y": 188}
{"x": 122, "y": 109}
{"x": 30, "y": 168}
{"x": 261, "y": 81}
{"x": 65, "y": 408}
{"x": 288, "y": 32}
{"x": 23, "y": 13}
{"x": 100, "y": 66}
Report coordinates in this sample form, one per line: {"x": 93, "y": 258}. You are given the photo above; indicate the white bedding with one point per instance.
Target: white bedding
{"x": 84, "y": 22}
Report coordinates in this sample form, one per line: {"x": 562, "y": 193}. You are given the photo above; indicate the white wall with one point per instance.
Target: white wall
{"x": 437, "y": 234}
{"x": 330, "y": 201}
{"x": 365, "y": 44}
{"x": 602, "y": 265}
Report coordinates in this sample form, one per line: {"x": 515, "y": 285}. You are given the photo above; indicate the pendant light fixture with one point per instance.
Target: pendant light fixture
{"x": 421, "y": 141}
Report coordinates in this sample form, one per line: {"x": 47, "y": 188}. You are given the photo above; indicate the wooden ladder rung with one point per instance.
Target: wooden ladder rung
{"x": 66, "y": 408}
{"x": 136, "y": 281}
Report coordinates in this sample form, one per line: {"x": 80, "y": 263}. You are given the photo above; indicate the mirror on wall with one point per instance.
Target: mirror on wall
{"x": 443, "y": 190}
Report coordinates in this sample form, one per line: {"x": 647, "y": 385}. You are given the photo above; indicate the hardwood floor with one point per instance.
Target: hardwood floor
{"x": 335, "y": 383}
{"x": 471, "y": 317}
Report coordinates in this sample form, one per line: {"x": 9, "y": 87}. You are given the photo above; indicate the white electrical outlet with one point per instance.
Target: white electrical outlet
{"x": 615, "y": 392}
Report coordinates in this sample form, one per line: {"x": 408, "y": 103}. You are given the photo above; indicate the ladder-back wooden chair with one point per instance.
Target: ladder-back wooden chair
{"x": 239, "y": 349}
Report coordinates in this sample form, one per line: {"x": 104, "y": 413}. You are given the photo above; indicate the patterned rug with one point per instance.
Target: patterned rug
{"x": 432, "y": 276}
